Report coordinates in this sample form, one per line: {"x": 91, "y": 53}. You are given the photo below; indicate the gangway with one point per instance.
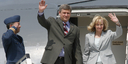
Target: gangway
{"x": 25, "y": 60}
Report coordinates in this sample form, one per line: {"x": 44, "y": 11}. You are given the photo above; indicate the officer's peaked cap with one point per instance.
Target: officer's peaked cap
{"x": 15, "y": 18}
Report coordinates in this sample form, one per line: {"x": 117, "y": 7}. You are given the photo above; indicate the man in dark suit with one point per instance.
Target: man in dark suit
{"x": 63, "y": 46}
{"x": 12, "y": 42}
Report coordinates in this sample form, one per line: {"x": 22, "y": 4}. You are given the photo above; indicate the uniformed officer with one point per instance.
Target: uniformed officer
{"x": 12, "y": 42}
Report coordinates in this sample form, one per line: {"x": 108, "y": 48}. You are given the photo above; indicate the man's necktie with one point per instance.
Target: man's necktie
{"x": 65, "y": 29}
{"x": 65, "y": 32}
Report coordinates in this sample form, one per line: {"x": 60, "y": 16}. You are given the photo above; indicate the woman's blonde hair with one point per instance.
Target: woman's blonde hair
{"x": 97, "y": 18}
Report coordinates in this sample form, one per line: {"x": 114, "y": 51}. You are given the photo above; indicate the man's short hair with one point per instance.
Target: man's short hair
{"x": 65, "y": 7}
{"x": 8, "y": 25}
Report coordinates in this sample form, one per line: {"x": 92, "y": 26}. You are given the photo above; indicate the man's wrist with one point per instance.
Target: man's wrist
{"x": 40, "y": 13}
{"x": 13, "y": 28}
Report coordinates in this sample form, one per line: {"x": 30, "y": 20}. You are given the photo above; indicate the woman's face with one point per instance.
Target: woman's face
{"x": 99, "y": 26}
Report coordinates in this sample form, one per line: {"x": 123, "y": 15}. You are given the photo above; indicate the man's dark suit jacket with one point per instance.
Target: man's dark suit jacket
{"x": 57, "y": 40}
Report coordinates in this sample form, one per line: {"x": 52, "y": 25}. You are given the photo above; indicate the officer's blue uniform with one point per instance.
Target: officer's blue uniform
{"x": 13, "y": 43}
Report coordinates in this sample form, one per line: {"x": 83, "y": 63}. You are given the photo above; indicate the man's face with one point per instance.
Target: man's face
{"x": 65, "y": 15}
{"x": 17, "y": 25}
